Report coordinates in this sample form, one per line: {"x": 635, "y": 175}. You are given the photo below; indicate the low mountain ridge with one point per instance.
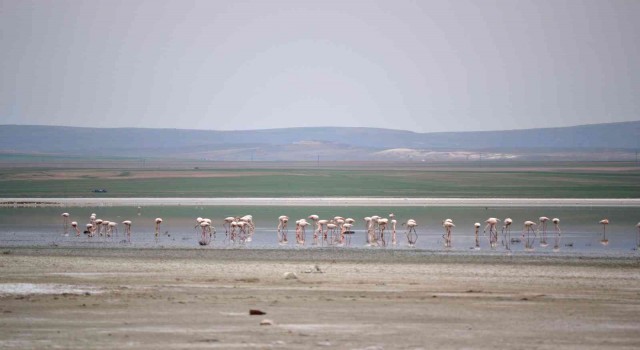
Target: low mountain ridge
{"x": 326, "y": 143}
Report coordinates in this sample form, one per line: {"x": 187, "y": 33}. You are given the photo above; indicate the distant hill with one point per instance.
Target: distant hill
{"x": 328, "y": 143}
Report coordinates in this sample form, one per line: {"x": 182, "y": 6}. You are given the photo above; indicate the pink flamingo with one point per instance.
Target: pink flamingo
{"x": 282, "y": 229}
{"x": 300, "y": 230}
{"x": 412, "y": 235}
{"x": 638, "y": 236}
{"x": 89, "y": 230}
{"x": 367, "y": 224}
{"x": 448, "y": 229}
{"x": 604, "y": 223}
{"x": 493, "y": 231}
{"x": 543, "y": 225}
{"x": 506, "y": 233}
{"x": 528, "y": 227}
{"x": 97, "y": 225}
{"x": 205, "y": 236}
{"x": 127, "y": 229}
{"x": 556, "y": 243}
{"x": 345, "y": 235}
{"x": 227, "y": 224}
{"x": 158, "y": 222}
{"x": 320, "y": 231}
{"x": 382, "y": 226}
{"x": 113, "y": 228}
{"x": 393, "y": 221}
{"x": 75, "y": 227}
{"x": 331, "y": 230}
{"x": 65, "y": 223}
{"x": 477, "y": 226}
{"x": 248, "y": 219}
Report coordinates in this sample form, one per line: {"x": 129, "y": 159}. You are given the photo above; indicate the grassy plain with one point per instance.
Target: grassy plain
{"x": 508, "y": 180}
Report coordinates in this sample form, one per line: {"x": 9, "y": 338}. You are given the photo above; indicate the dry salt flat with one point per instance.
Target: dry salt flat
{"x": 191, "y": 298}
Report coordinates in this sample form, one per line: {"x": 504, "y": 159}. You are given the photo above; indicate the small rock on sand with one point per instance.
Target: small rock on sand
{"x": 256, "y": 312}
{"x": 266, "y": 322}
{"x": 290, "y": 276}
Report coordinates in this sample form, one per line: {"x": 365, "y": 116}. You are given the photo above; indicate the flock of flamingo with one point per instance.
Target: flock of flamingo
{"x": 338, "y": 231}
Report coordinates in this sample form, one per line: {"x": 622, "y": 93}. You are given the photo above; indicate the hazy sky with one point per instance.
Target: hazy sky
{"x": 416, "y": 65}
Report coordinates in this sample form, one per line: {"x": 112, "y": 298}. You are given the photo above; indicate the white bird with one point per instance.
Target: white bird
{"x": 604, "y": 223}
{"x": 127, "y": 229}
{"x": 528, "y": 227}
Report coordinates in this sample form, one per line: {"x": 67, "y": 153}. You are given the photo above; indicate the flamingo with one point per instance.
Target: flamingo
{"x": 227, "y": 224}
{"x": 127, "y": 229}
{"x": 315, "y": 219}
{"x": 89, "y": 230}
{"x": 393, "y": 221}
{"x": 97, "y": 225}
{"x": 205, "y": 235}
{"x": 556, "y": 243}
{"x": 113, "y": 227}
{"x": 493, "y": 232}
{"x": 346, "y": 233}
{"x": 75, "y": 227}
{"x": 638, "y": 236}
{"x": 367, "y": 224}
{"x": 92, "y": 218}
{"x": 210, "y": 229}
{"x": 331, "y": 227}
{"x": 604, "y": 223}
{"x": 65, "y": 223}
{"x": 106, "y": 231}
{"x": 528, "y": 227}
{"x": 382, "y": 226}
{"x": 506, "y": 233}
{"x": 448, "y": 229}
{"x": 300, "y": 230}
{"x": 543, "y": 225}
{"x": 158, "y": 222}
{"x": 412, "y": 235}
{"x": 320, "y": 231}
{"x": 375, "y": 227}
{"x": 283, "y": 220}
{"x": 248, "y": 219}
{"x": 477, "y": 226}
{"x": 233, "y": 226}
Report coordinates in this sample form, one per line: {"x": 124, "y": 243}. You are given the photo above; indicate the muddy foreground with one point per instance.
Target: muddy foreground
{"x": 154, "y": 299}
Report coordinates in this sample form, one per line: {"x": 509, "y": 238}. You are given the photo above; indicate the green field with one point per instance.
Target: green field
{"x": 581, "y": 181}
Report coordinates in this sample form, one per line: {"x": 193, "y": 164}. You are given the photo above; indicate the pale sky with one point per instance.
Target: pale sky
{"x": 235, "y": 65}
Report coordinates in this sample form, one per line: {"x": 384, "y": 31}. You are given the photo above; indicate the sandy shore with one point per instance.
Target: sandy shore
{"x": 162, "y": 298}
{"x": 325, "y": 202}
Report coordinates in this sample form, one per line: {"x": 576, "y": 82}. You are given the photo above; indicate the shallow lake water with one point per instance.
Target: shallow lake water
{"x": 581, "y": 233}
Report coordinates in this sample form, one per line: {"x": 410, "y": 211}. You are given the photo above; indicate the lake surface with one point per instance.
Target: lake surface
{"x": 581, "y": 233}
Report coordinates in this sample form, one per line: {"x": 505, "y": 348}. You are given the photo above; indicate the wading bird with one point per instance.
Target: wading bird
{"x": 638, "y": 236}
{"x": 556, "y": 242}
{"x": 158, "y": 222}
{"x": 412, "y": 235}
{"x": 477, "y": 227}
{"x": 528, "y": 228}
{"x": 65, "y": 223}
{"x": 506, "y": 233}
{"x": 283, "y": 220}
{"x": 448, "y": 229}
{"x": 75, "y": 227}
{"x": 113, "y": 227}
{"x": 493, "y": 231}
{"x": 543, "y": 227}
{"x": 394, "y": 222}
{"x": 604, "y": 223}
{"x": 127, "y": 229}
